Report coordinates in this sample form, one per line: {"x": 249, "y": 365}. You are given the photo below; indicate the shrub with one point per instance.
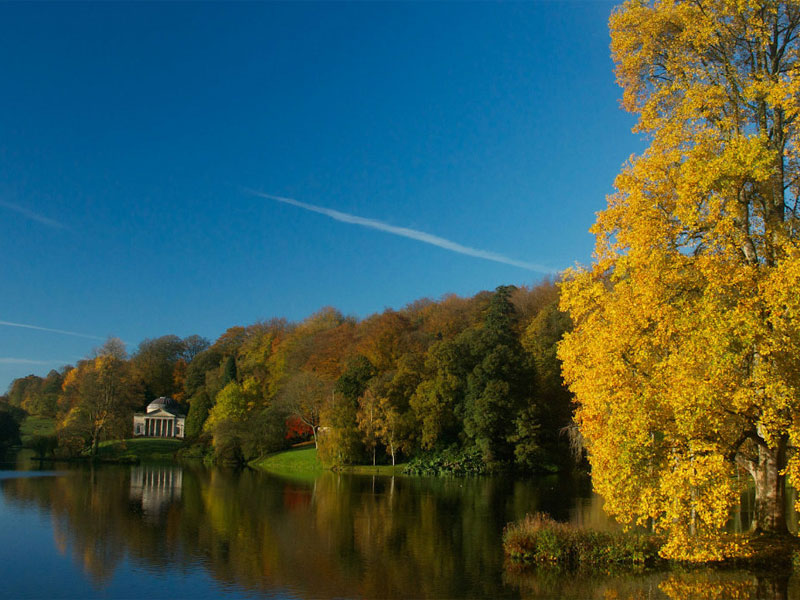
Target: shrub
{"x": 539, "y": 539}
{"x": 450, "y": 461}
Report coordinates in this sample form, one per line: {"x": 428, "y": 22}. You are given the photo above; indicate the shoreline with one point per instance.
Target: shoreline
{"x": 539, "y": 541}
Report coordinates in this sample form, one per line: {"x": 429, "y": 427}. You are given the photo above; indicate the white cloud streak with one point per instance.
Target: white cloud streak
{"x": 28, "y": 361}
{"x": 406, "y": 232}
{"x": 29, "y": 214}
{"x": 50, "y": 330}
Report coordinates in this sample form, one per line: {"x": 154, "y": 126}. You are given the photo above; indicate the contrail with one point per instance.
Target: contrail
{"x": 414, "y": 234}
{"x": 27, "y": 361}
{"x": 32, "y": 215}
{"x": 61, "y": 331}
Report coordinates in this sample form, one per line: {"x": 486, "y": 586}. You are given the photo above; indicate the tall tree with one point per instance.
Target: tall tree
{"x": 105, "y": 403}
{"x": 154, "y": 365}
{"x": 500, "y": 384}
{"x": 367, "y": 416}
{"x": 304, "y": 396}
{"x": 19, "y": 387}
{"x": 207, "y": 360}
{"x": 684, "y": 358}
{"x": 194, "y": 345}
{"x": 553, "y": 410}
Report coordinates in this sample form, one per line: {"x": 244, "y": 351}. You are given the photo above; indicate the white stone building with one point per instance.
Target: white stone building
{"x": 162, "y": 419}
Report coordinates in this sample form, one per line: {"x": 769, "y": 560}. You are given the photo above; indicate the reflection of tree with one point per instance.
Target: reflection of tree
{"x": 79, "y": 516}
{"x": 338, "y": 536}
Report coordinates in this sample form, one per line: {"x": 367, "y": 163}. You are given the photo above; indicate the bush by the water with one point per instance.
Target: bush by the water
{"x": 450, "y": 461}
{"x": 539, "y": 539}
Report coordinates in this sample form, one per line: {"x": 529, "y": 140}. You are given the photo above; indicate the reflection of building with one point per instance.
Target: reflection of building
{"x": 156, "y": 487}
{"x": 162, "y": 419}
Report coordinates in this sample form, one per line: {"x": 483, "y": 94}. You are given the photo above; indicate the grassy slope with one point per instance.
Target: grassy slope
{"x": 302, "y": 463}
{"x": 139, "y": 448}
{"x": 298, "y": 463}
{"x": 33, "y": 426}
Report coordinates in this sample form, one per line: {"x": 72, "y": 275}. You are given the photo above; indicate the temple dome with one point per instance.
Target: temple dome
{"x": 163, "y": 403}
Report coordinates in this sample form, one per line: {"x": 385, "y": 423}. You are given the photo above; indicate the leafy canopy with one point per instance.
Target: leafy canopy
{"x": 684, "y": 358}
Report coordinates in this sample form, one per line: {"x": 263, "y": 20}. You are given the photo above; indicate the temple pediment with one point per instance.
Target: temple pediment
{"x": 161, "y": 413}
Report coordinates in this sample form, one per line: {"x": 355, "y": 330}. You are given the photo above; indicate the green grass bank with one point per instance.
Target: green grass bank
{"x": 134, "y": 450}
{"x": 297, "y": 463}
{"x": 32, "y": 427}
{"x": 302, "y": 462}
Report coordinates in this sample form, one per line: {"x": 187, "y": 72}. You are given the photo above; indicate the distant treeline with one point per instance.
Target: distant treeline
{"x": 462, "y": 384}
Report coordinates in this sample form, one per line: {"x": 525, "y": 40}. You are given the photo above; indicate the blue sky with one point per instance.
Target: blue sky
{"x": 147, "y": 151}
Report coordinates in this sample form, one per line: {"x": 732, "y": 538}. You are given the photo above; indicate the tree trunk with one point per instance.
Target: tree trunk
{"x": 769, "y": 511}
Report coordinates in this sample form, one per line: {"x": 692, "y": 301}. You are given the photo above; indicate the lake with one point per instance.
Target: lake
{"x": 166, "y": 531}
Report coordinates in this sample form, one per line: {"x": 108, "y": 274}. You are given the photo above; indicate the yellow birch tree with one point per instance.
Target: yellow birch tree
{"x": 685, "y": 355}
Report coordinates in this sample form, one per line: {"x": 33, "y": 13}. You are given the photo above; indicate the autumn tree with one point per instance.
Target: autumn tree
{"x": 154, "y": 363}
{"x": 392, "y": 427}
{"x": 192, "y": 346}
{"x": 105, "y": 398}
{"x": 304, "y": 396}
{"x": 346, "y": 416}
{"x": 367, "y": 417}
{"x": 438, "y": 401}
{"x": 35, "y": 395}
{"x": 684, "y": 358}
{"x": 20, "y": 387}
{"x": 257, "y": 364}
{"x": 195, "y": 379}
{"x": 235, "y": 423}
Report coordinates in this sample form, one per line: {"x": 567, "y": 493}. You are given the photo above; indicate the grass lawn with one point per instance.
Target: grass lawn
{"x": 33, "y": 426}
{"x": 139, "y": 448}
{"x": 298, "y": 463}
{"x": 302, "y": 463}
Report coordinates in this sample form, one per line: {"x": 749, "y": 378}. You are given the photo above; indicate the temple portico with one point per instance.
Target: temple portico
{"x": 162, "y": 419}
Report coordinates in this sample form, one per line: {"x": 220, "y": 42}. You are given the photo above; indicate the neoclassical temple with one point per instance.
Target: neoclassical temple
{"x": 162, "y": 419}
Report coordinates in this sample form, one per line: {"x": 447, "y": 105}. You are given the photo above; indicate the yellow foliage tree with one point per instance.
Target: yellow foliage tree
{"x": 104, "y": 396}
{"x": 685, "y": 355}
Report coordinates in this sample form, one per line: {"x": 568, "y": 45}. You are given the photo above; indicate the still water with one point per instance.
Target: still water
{"x": 167, "y": 531}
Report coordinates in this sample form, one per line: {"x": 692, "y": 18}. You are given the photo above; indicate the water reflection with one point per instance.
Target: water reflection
{"x": 155, "y": 487}
{"x": 337, "y": 536}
